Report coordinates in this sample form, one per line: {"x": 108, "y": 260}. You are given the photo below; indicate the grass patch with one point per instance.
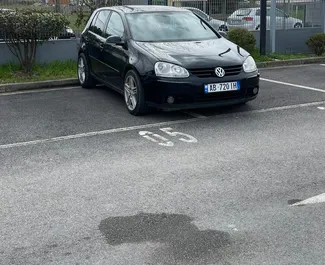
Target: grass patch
{"x": 11, "y": 73}
{"x": 277, "y": 56}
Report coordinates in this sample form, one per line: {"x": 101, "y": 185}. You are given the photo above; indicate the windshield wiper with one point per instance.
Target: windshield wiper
{"x": 202, "y": 24}
{"x": 224, "y": 52}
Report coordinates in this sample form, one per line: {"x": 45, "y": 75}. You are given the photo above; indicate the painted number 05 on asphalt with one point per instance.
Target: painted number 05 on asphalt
{"x": 161, "y": 140}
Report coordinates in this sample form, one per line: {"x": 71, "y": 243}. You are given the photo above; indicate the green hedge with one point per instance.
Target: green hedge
{"x": 316, "y": 43}
{"x": 243, "y": 38}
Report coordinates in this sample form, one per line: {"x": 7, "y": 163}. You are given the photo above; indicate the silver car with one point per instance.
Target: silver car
{"x": 215, "y": 23}
{"x": 249, "y": 18}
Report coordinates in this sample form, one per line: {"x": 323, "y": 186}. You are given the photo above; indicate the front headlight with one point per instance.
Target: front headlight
{"x": 170, "y": 70}
{"x": 249, "y": 65}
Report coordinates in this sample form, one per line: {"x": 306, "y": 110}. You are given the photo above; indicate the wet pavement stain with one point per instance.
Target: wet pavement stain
{"x": 293, "y": 201}
{"x": 182, "y": 240}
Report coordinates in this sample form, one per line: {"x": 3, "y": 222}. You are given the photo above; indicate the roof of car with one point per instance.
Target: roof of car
{"x": 147, "y": 8}
{"x": 250, "y": 8}
{"x": 190, "y": 8}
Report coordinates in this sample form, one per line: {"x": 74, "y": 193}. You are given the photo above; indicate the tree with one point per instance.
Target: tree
{"x": 25, "y": 30}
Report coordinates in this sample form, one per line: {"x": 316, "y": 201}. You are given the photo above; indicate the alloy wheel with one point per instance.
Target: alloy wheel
{"x": 130, "y": 93}
{"x": 81, "y": 70}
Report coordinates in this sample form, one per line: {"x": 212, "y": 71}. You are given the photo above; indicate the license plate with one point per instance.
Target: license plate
{"x": 221, "y": 87}
{"x": 235, "y": 22}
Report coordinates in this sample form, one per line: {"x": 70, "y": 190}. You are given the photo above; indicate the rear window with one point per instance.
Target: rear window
{"x": 242, "y": 12}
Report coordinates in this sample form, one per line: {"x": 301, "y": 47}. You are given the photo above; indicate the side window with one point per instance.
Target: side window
{"x": 279, "y": 13}
{"x": 98, "y": 24}
{"x": 115, "y": 26}
{"x": 91, "y": 27}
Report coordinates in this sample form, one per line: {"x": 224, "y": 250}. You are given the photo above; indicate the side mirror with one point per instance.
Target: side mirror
{"x": 115, "y": 40}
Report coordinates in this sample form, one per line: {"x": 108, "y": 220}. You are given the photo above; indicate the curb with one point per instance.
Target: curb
{"x": 292, "y": 62}
{"x": 12, "y": 87}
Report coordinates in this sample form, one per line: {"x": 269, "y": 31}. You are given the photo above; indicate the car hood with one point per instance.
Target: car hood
{"x": 197, "y": 54}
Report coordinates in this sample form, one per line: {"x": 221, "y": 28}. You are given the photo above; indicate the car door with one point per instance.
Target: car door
{"x": 280, "y": 19}
{"x": 268, "y": 19}
{"x": 257, "y": 18}
{"x": 96, "y": 40}
{"x": 114, "y": 55}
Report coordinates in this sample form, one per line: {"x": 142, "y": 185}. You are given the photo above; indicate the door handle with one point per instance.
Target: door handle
{"x": 101, "y": 46}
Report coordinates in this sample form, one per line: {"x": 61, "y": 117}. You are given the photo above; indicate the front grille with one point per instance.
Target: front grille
{"x": 209, "y": 72}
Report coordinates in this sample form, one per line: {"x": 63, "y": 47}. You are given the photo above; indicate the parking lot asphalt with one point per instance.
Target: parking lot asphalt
{"x": 84, "y": 182}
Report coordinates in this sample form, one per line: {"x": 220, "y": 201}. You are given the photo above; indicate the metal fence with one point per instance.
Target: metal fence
{"x": 222, "y": 14}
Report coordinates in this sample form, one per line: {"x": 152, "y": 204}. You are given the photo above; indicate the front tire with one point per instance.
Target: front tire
{"x": 223, "y": 28}
{"x": 134, "y": 94}
{"x": 84, "y": 76}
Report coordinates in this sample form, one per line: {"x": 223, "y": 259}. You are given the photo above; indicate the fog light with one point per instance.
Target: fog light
{"x": 170, "y": 100}
{"x": 255, "y": 90}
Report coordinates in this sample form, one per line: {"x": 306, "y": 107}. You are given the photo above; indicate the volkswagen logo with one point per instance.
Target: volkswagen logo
{"x": 220, "y": 72}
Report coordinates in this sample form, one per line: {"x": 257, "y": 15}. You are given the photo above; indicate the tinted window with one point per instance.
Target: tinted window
{"x": 115, "y": 26}
{"x": 279, "y": 13}
{"x": 98, "y": 24}
{"x": 268, "y": 13}
{"x": 168, "y": 26}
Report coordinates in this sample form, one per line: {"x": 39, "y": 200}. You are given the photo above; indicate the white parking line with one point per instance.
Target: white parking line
{"x": 316, "y": 199}
{"x": 138, "y": 127}
{"x": 292, "y": 85}
{"x": 285, "y": 107}
{"x": 195, "y": 115}
{"x": 322, "y": 64}
{"x": 95, "y": 133}
{"x": 37, "y": 91}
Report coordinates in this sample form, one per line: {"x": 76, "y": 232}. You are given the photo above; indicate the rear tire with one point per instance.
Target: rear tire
{"x": 84, "y": 76}
{"x": 134, "y": 97}
{"x": 297, "y": 25}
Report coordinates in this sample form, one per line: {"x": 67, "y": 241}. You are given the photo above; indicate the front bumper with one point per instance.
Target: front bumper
{"x": 190, "y": 93}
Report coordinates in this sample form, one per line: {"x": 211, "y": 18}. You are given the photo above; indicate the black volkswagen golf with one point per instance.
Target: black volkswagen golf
{"x": 164, "y": 57}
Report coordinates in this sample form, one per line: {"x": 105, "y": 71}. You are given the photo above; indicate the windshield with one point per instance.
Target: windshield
{"x": 168, "y": 26}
